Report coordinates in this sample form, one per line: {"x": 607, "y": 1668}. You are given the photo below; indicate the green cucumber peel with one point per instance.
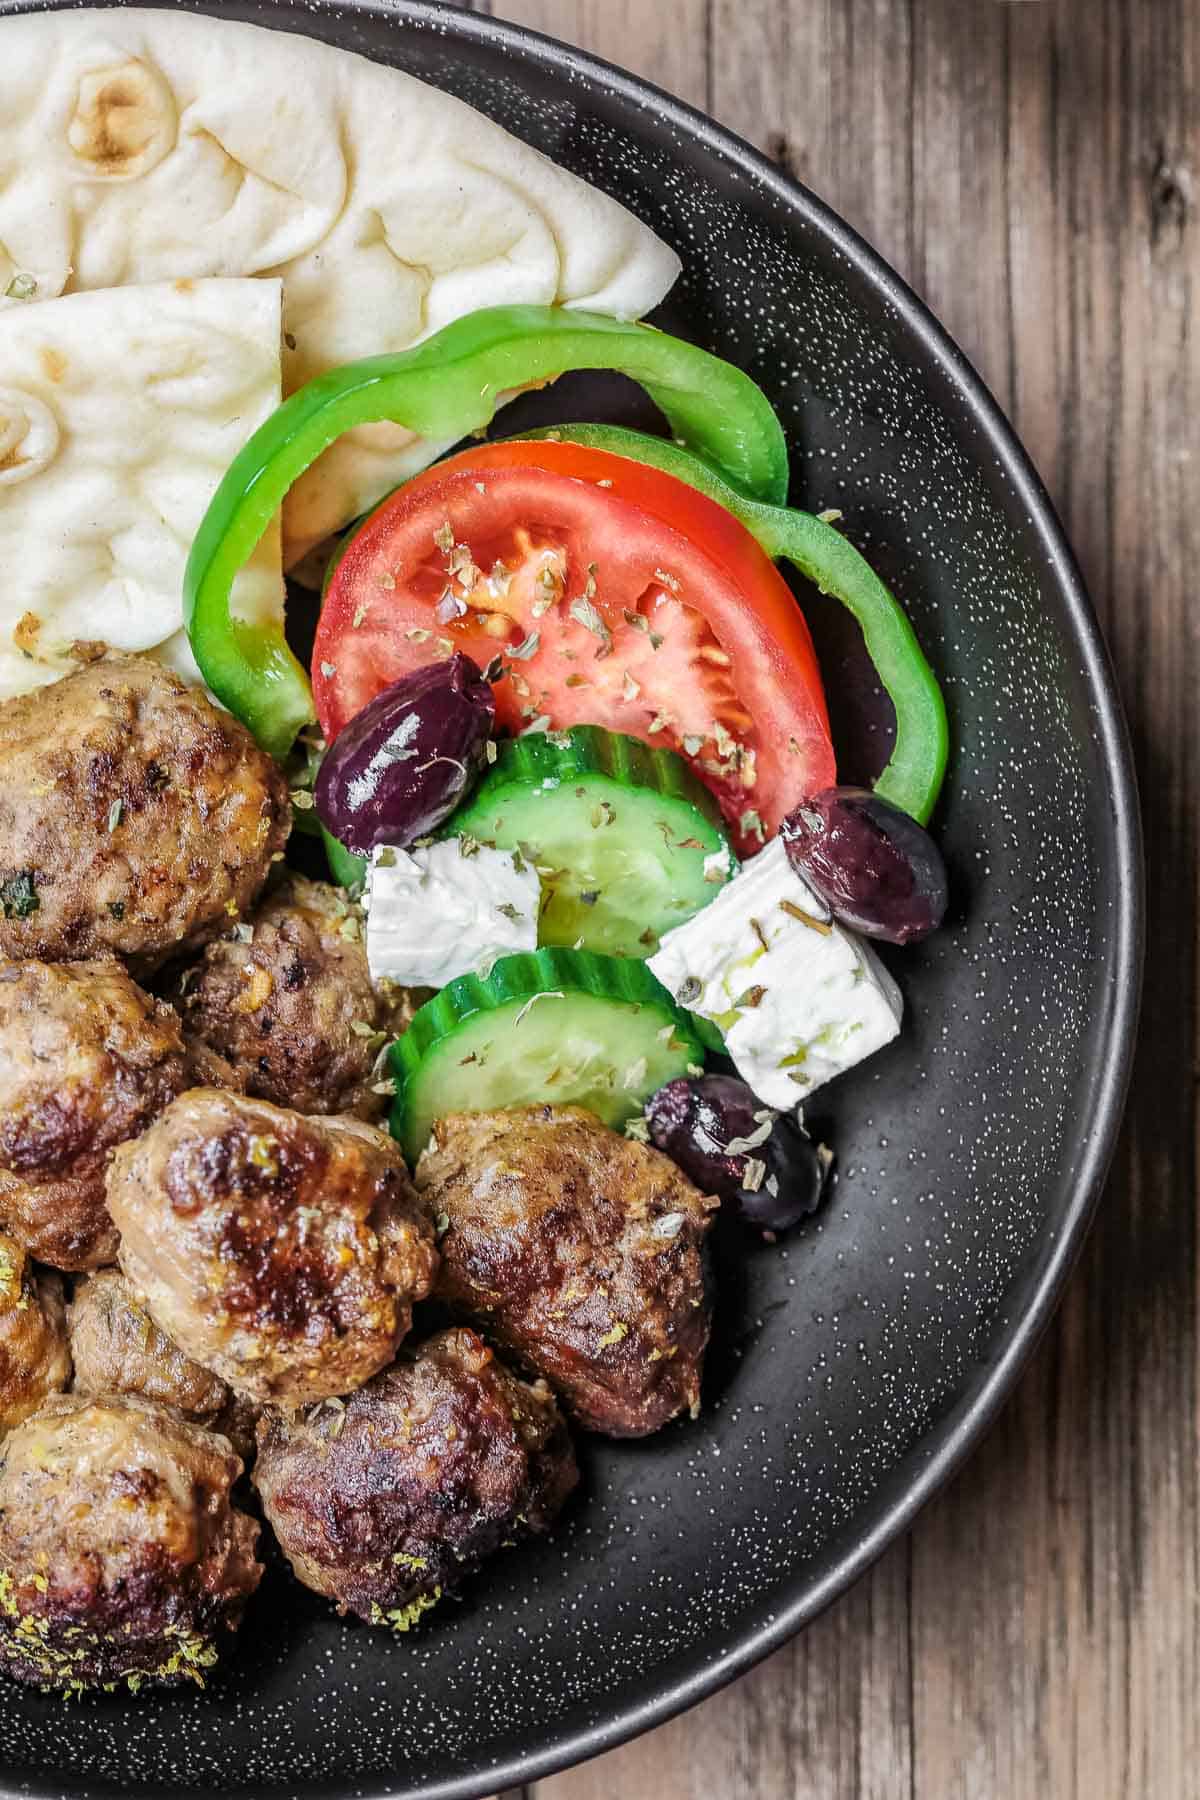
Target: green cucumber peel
{"x": 628, "y": 842}
{"x": 619, "y": 996}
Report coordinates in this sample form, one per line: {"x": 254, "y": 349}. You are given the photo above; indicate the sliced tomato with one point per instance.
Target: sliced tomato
{"x": 611, "y": 594}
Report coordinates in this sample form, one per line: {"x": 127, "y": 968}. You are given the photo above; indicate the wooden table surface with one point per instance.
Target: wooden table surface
{"x": 1032, "y": 169}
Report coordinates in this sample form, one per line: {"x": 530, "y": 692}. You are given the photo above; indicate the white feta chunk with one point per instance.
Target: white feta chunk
{"x": 436, "y": 913}
{"x": 798, "y": 998}
{"x": 720, "y": 866}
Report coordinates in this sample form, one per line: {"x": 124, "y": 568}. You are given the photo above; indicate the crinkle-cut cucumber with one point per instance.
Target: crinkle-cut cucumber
{"x": 555, "y": 1025}
{"x": 627, "y": 842}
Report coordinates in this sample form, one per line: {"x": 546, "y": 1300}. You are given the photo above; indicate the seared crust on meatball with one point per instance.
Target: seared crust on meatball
{"x": 34, "y": 1359}
{"x": 118, "y": 1349}
{"x": 121, "y": 1555}
{"x": 208, "y": 1069}
{"x": 134, "y": 816}
{"x": 283, "y": 1253}
{"x": 292, "y": 1006}
{"x": 87, "y": 1060}
{"x": 386, "y": 1502}
{"x": 582, "y": 1252}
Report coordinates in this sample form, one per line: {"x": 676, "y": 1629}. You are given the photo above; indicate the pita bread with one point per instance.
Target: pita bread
{"x": 143, "y": 146}
{"x": 119, "y": 413}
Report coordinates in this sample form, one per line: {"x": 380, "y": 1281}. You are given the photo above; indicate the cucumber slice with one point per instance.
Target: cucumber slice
{"x": 627, "y": 842}
{"x": 556, "y": 1025}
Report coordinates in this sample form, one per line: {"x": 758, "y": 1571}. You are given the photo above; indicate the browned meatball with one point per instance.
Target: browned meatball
{"x": 134, "y": 816}
{"x": 121, "y": 1555}
{"x": 207, "y": 1069}
{"x": 289, "y": 1001}
{"x": 238, "y": 1421}
{"x": 389, "y": 1500}
{"x": 118, "y": 1349}
{"x": 34, "y": 1359}
{"x": 284, "y": 1253}
{"x": 582, "y": 1251}
{"x": 87, "y": 1060}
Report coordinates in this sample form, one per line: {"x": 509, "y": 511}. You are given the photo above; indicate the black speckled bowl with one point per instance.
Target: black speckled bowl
{"x": 856, "y": 1365}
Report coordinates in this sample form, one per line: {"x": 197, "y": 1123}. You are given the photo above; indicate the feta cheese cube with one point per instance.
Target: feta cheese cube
{"x": 436, "y": 913}
{"x": 798, "y": 998}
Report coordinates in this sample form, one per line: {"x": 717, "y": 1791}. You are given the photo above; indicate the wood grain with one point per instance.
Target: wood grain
{"x": 1032, "y": 168}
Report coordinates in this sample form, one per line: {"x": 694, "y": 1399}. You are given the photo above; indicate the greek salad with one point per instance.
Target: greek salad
{"x": 568, "y": 743}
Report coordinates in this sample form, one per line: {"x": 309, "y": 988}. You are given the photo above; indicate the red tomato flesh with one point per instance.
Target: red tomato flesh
{"x": 613, "y": 594}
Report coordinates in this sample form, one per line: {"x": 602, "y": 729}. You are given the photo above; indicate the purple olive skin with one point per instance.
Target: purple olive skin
{"x": 406, "y": 760}
{"x": 693, "y": 1121}
{"x": 877, "y": 870}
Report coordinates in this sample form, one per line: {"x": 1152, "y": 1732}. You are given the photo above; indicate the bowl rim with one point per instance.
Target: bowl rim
{"x": 770, "y": 1622}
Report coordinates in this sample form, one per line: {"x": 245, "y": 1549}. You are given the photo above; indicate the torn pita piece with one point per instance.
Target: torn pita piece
{"x": 119, "y": 413}
{"x": 145, "y": 146}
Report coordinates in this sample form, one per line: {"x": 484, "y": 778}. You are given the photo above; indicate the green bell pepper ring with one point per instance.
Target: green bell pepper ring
{"x": 447, "y": 387}
{"x": 913, "y": 777}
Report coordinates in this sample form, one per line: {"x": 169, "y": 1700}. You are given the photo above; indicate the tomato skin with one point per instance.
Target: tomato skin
{"x": 718, "y": 665}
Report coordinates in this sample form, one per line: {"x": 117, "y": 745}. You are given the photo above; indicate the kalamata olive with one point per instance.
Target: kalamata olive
{"x": 405, "y": 761}
{"x": 877, "y": 870}
{"x": 728, "y": 1143}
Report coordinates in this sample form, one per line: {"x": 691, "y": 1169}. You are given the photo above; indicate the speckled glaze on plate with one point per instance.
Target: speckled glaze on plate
{"x": 854, "y": 1367}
